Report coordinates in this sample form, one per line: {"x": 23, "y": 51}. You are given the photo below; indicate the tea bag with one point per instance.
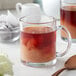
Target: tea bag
{"x": 12, "y": 19}
{"x": 7, "y": 25}
{"x": 4, "y": 31}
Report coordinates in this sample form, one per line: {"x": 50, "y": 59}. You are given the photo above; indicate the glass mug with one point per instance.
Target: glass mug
{"x": 68, "y": 17}
{"x": 38, "y": 41}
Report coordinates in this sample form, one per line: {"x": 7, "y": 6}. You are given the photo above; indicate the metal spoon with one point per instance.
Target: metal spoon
{"x": 70, "y": 64}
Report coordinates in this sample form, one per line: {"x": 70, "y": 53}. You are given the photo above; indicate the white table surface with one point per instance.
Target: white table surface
{"x": 13, "y": 51}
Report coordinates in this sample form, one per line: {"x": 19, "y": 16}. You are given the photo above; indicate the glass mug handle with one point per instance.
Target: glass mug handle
{"x": 68, "y": 39}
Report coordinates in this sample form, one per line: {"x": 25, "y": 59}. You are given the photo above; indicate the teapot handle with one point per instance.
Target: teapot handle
{"x": 18, "y": 7}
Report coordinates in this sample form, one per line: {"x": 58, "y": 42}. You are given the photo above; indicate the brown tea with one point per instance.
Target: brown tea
{"x": 38, "y": 44}
{"x": 68, "y": 19}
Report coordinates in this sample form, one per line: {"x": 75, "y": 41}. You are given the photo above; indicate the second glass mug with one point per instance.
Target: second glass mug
{"x": 68, "y": 17}
{"x": 38, "y": 41}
